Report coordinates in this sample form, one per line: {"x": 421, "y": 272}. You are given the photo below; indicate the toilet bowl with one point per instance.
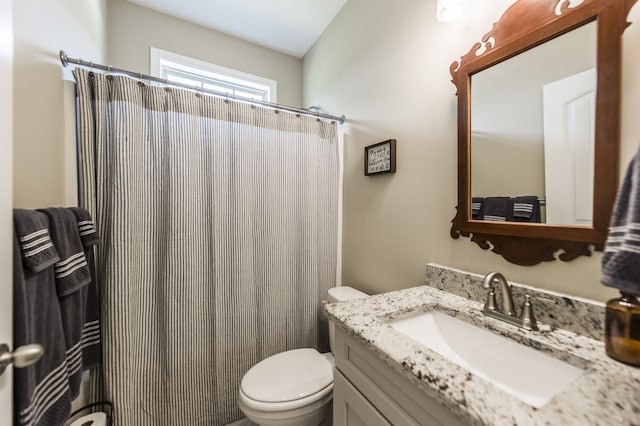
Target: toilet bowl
{"x": 293, "y": 388}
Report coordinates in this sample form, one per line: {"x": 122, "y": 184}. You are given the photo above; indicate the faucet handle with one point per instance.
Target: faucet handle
{"x": 490, "y": 304}
{"x": 527, "y": 316}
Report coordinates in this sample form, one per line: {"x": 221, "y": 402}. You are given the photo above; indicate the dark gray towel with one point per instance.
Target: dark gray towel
{"x": 91, "y": 336}
{"x": 525, "y": 209}
{"x": 41, "y": 391}
{"x": 72, "y": 276}
{"x": 621, "y": 259}
{"x": 72, "y": 271}
{"x": 477, "y": 208}
{"x": 496, "y": 209}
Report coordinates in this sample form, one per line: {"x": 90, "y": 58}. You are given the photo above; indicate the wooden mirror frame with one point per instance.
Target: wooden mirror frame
{"x": 524, "y": 25}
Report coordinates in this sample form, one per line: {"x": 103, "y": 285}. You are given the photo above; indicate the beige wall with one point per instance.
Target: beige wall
{"x": 43, "y": 106}
{"x": 386, "y": 66}
{"x": 133, "y": 30}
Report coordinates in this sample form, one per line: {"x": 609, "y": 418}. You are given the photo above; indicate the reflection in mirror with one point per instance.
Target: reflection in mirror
{"x": 532, "y": 134}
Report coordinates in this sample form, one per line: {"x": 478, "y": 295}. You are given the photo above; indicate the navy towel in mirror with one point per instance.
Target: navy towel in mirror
{"x": 526, "y": 209}
{"x": 496, "y": 209}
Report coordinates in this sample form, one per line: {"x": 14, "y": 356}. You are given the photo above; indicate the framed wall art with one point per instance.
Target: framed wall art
{"x": 380, "y": 158}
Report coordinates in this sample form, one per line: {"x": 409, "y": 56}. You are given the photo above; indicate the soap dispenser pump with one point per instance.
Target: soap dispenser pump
{"x": 622, "y": 329}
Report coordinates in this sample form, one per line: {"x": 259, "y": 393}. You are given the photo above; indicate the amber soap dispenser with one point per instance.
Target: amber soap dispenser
{"x": 622, "y": 329}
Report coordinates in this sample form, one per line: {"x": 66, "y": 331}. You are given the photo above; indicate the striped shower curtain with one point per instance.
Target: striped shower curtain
{"x": 218, "y": 224}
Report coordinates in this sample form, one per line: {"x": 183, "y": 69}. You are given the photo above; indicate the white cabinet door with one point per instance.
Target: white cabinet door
{"x": 350, "y": 407}
{"x": 6, "y": 185}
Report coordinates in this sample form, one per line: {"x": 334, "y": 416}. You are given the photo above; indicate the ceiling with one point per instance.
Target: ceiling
{"x": 289, "y": 26}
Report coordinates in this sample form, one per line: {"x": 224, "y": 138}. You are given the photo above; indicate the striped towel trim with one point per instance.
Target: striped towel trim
{"x": 91, "y": 334}
{"x": 523, "y": 210}
{"x": 476, "y": 206}
{"x": 623, "y": 248}
{"x": 495, "y": 218}
{"x": 45, "y": 394}
{"x": 522, "y": 207}
{"x": 35, "y": 242}
{"x": 38, "y": 250}
{"x": 74, "y": 358}
{"x": 629, "y": 227}
{"x": 86, "y": 227}
{"x": 70, "y": 265}
{"x": 34, "y": 234}
{"x": 624, "y": 239}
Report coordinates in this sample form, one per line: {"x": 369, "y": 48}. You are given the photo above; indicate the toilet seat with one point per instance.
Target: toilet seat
{"x": 287, "y": 380}
{"x": 308, "y": 401}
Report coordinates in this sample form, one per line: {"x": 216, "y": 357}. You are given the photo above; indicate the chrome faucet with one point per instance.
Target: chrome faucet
{"x": 508, "y": 311}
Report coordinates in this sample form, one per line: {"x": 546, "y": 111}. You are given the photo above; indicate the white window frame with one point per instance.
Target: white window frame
{"x": 160, "y": 58}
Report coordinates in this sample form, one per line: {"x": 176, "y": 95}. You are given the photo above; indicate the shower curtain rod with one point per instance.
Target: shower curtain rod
{"x": 66, "y": 60}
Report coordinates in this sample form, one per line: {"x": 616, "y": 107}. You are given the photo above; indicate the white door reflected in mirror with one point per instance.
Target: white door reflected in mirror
{"x": 569, "y": 137}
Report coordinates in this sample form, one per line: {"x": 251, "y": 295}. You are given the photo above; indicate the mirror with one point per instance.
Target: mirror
{"x": 532, "y": 132}
{"x": 515, "y": 87}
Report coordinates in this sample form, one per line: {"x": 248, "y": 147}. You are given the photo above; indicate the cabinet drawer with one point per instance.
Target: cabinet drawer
{"x": 393, "y": 395}
{"x": 350, "y": 408}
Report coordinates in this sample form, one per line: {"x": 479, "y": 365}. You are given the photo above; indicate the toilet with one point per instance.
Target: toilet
{"x": 293, "y": 388}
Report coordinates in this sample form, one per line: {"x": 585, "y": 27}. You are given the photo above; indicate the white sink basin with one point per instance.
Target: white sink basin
{"x": 526, "y": 373}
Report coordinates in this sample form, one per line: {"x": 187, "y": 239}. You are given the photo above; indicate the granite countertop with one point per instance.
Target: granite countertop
{"x": 607, "y": 394}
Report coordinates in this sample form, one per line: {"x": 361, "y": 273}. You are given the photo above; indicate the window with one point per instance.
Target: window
{"x": 193, "y": 72}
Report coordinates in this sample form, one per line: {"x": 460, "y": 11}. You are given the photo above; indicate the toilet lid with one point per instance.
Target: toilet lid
{"x": 288, "y": 376}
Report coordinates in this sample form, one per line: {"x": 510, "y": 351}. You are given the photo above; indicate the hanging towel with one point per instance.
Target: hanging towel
{"x": 496, "y": 209}
{"x": 91, "y": 337}
{"x": 477, "y": 208}
{"x": 526, "y": 209}
{"x": 621, "y": 259}
{"x": 41, "y": 391}
{"x": 72, "y": 276}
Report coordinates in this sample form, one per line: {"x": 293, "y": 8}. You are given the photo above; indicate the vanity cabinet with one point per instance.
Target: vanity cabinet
{"x": 368, "y": 392}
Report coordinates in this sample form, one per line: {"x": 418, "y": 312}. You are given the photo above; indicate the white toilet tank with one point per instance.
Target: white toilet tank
{"x": 341, "y": 294}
